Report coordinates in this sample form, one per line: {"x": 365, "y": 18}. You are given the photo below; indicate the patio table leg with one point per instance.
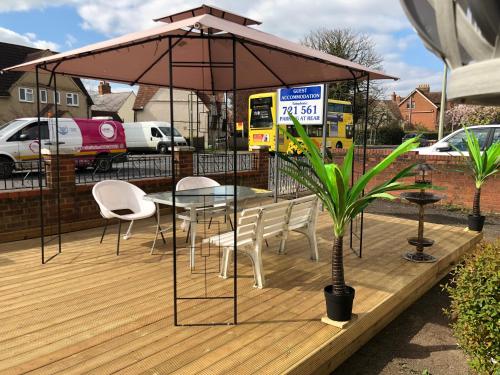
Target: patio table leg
{"x": 158, "y": 229}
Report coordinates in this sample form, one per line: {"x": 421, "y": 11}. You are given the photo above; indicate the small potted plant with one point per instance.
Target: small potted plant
{"x": 331, "y": 183}
{"x": 483, "y": 165}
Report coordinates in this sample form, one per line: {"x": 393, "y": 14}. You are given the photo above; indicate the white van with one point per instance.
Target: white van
{"x": 151, "y": 136}
{"x": 90, "y": 140}
{"x": 485, "y": 134}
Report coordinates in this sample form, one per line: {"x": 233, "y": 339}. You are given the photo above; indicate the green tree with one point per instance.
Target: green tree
{"x": 354, "y": 46}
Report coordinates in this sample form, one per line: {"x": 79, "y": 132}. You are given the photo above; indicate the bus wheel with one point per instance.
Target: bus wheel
{"x": 102, "y": 163}
{"x": 338, "y": 145}
{"x": 6, "y": 167}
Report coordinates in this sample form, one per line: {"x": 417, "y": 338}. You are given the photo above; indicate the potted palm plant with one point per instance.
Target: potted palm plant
{"x": 482, "y": 165}
{"x": 331, "y": 183}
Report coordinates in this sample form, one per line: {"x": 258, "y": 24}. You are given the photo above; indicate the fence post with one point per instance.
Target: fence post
{"x": 67, "y": 183}
{"x": 183, "y": 157}
{"x": 262, "y": 167}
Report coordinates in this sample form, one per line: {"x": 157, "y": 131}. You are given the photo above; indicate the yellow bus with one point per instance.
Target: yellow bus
{"x": 262, "y": 124}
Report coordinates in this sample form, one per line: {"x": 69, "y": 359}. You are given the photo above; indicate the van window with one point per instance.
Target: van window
{"x": 458, "y": 141}
{"x": 31, "y": 132}
{"x": 155, "y": 133}
{"x": 166, "y": 130}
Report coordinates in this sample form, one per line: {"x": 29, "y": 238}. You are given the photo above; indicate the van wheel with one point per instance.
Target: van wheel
{"x": 338, "y": 145}
{"x": 6, "y": 167}
{"x": 163, "y": 149}
{"x": 102, "y": 163}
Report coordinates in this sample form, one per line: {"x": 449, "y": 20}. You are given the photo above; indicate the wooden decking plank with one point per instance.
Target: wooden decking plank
{"x": 115, "y": 313}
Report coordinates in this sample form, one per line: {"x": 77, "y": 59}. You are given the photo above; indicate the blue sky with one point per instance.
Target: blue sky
{"x": 66, "y": 24}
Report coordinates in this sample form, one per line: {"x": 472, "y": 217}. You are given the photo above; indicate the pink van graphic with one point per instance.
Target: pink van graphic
{"x": 101, "y": 136}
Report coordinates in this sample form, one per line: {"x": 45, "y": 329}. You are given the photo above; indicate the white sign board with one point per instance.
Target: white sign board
{"x": 305, "y": 103}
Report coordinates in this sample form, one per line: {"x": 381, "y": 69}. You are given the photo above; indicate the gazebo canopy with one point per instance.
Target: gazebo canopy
{"x": 202, "y": 56}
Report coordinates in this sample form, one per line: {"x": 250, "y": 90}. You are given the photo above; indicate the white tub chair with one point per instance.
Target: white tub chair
{"x": 123, "y": 201}
{"x": 198, "y": 182}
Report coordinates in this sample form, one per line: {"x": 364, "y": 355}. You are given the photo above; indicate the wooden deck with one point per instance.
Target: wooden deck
{"x": 88, "y": 310}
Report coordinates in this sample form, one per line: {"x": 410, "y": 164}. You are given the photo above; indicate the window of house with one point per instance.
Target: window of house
{"x": 25, "y": 94}
{"x": 412, "y": 103}
{"x": 43, "y": 96}
{"x": 72, "y": 99}
{"x": 57, "y": 97}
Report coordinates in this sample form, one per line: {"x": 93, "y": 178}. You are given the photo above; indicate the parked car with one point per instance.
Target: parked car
{"x": 151, "y": 136}
{"x": 94, "y": 141}
{"x": 486, "y": 135}
{"x": 424, "y": 141}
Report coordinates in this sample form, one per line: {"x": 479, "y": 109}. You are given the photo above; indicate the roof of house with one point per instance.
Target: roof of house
{"x": 17, "y": 54}
{"x": 393, "y": 108}
{"x": 144, "y": 95}
{"x": 433, "y": 96}
{"x": 110, "y": 102}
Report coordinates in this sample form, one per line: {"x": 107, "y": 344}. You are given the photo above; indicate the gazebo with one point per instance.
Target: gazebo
{"x": 204, "y": 49}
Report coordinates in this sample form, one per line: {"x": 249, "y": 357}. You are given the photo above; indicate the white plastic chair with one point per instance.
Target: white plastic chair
{"x": 123, "y": 201}
{"x": 198, "y": 182}
{"x": 302, "y": 219}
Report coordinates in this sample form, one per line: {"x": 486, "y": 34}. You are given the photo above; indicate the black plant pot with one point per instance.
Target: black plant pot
{"x": 339, "y": 308}
{"x": 476, "y": 223}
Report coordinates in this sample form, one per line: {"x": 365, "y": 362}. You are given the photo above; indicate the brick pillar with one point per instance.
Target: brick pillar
{"x": 262, "y": 167}
{"x": 183, "y": 157}
{"x": 67, "y": 184}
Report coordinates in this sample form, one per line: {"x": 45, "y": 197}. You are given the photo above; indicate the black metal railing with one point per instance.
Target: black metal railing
{"x": 21, "y": 175}
{"x": 286, "y": 185}
{"x": 212, "y": 163}
{"x": 123, "y": 168}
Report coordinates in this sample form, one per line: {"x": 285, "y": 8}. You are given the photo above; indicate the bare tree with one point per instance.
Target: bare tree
{"x": 354, "y": 46}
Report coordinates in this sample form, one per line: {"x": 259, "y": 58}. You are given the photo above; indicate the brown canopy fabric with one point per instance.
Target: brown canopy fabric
{"x": 262, "y": 60}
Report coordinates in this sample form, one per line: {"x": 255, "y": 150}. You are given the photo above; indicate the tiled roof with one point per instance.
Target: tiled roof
{"x": 13, "y": 54}
{"x": 109, "y": 102}
{"x": 393, "y": 108}
{"x": 434, "y": 97}
{"x": 144, "y": 95}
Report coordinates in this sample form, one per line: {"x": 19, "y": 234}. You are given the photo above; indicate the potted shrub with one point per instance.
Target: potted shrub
{"x": 331, "y": 183}
{"x": 474, "y": 308}
{"x": 483, "y": 165}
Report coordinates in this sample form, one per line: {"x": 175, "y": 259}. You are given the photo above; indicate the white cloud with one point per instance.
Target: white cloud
{"x": 382, "y": 20}
{"x": 25, "y": 5}
{"x": 27, "y": 39}
{"x": 70, "y": 40}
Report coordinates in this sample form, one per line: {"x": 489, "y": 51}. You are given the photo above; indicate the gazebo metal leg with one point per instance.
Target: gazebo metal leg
{"x": 104, "y": 230}
{"x": 119, "y": 232}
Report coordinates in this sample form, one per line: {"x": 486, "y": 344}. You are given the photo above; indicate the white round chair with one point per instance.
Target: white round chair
{"x": 123, "y": 201}
{"x": 199, "y": 182}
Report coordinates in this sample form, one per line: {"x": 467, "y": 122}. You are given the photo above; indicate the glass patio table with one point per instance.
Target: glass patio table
{"x": 194, "y": 199}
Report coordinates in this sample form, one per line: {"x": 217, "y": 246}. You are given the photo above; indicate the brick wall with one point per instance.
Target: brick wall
{"x": 451, "y": 173}
{"x": 21, "y": 209}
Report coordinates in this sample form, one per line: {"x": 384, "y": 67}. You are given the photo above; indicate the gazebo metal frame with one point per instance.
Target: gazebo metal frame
{"x": 174, "y": 41}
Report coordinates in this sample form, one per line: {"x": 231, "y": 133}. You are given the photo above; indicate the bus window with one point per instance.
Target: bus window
{"x": 336, "y": 107}
{"x": 347, "y": 108}
{"x": 261, "y": 113}
{"x": 291, "y": 129}
{"x": 314, "y": 130}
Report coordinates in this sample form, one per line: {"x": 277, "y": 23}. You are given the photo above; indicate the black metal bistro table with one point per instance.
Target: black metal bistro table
{"x": 193, "y": 199}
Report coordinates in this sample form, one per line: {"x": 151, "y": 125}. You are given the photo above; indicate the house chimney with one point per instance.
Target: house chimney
{"x": 104, "y": 88}
{"x": 424, "y": 87}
